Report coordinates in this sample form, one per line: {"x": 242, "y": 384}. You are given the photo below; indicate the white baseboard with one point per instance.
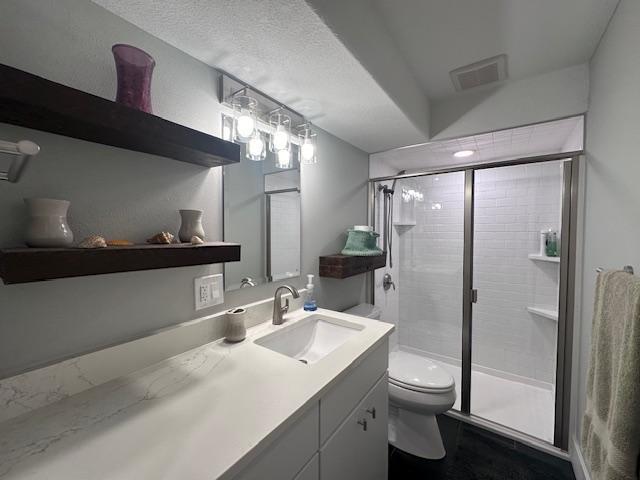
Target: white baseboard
{"x": 577, "y": 460}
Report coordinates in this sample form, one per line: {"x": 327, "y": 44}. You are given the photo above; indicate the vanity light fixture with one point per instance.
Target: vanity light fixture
{"x": 464, "y": 153}
{"x": 281, "y": 136}
{"x": 265, "y": 122}
{"x": 245, "y": 121}
{"x": 307, "y": 151}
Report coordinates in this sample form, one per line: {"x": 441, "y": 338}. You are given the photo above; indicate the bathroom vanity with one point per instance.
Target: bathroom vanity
{"x": 252, "y": 410}
{"x": 347, "y": 423}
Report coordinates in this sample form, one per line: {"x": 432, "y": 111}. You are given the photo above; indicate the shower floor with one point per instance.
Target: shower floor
{"x": 520, "y": 406}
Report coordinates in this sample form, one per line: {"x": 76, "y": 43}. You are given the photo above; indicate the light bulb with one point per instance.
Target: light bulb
{"x": 280, "y": 138}
{"x": 256, "y": 146}
{"x": 284, "y": 159}
{"x": 307, "y": 150}
{"x": 245, "y": 125}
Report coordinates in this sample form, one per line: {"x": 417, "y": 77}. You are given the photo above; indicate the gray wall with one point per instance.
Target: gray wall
{"x": 612, "y": 197}
{"x": 131, "y": 195}
{"x": 549, "y": 96}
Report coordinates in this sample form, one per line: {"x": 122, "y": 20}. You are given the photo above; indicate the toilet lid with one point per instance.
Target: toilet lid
{"x": 418, "y": 373}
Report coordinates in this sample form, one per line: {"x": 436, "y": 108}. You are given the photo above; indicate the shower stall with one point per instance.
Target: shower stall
{"x": 474, "y": 289}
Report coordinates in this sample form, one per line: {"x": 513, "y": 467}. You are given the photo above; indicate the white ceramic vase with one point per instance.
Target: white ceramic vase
{"x": 191, "y": 225}
{"x": 47, "y": 226}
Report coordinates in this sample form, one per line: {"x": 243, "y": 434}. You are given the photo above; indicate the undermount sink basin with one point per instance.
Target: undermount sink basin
{"x": 310, "y": 339}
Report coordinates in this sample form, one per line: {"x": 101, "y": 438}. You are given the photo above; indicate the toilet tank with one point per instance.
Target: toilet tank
{"x": 364, "y": 310}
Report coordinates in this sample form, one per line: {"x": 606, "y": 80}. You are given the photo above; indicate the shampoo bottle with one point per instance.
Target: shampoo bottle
{"x": 310, "y": 297}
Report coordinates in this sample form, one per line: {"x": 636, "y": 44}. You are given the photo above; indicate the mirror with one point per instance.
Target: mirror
{"x": 262, "y": 213}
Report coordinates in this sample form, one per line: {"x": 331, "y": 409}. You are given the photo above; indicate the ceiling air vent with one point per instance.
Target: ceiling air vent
{"x": 484, "y": 72}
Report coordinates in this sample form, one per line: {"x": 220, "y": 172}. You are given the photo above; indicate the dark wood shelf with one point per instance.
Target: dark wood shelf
{"x": 34, "y": 102}
{"x": 343, "y": 266}
{"x": 24, "y": 265}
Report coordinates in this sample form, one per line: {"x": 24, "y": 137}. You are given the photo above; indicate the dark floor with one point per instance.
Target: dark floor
{"x": 475, "y": 454}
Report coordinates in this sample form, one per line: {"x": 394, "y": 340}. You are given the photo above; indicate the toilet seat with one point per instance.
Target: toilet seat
{"x": 419, "y": 374}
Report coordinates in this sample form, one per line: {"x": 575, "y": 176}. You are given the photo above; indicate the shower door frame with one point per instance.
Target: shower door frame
{"x": 569, "y": 219}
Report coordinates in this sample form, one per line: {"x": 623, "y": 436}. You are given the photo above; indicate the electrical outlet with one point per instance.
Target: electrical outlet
{"x": 208, "y": 291}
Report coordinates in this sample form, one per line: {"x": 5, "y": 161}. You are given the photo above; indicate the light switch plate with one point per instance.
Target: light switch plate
{"x": 208, "y": 291}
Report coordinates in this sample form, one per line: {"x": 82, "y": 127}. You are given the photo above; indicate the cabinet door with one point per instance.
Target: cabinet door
{"x": 288, "y": 454}
{"x": 358, "y": 449}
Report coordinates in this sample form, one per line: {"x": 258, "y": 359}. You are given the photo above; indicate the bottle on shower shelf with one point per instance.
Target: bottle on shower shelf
{"x": 551, "y": 243}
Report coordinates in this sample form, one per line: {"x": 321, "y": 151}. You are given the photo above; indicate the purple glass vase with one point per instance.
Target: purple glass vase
{"x": 134, "y": 68}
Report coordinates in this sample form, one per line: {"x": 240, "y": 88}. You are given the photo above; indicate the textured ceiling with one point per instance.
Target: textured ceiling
{"x": 553, "y": 137}
{"x": 366, "y": 70}
{"x": 284, "y": 49}
{"x": 538, "y": 36}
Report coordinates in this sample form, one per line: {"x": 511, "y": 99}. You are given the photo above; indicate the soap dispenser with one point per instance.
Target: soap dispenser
{"x": 310, "y": 297}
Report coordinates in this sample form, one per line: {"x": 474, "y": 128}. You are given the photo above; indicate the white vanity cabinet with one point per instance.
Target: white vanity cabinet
{"x": 343, "y": 436}
{"x": 358, "y": 449}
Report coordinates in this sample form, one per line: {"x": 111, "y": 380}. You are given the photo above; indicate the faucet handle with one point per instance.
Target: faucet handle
{"x": 285, "y": 309}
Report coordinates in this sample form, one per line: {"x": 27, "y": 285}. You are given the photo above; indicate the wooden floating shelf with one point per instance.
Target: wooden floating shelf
{"x": 544, "y": 312}
{"x": 24, "y": 265}
{"x": 34, "y": 102}
{"x": 543, "y": 258}
{"x": 343, "y": 266}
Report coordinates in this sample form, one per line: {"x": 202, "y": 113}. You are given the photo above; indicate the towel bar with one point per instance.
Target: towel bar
{"x": 626, "y": 268}
{"x": 23, "y": 151}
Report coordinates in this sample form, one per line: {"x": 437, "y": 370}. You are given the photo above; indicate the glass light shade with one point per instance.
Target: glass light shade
{"x": 245, "y": 121}
{"x": 307, "y": 153}
{"x": 283, "y": 159}
{"x": 281, "y": 137}
{"x": 256, "y": 150}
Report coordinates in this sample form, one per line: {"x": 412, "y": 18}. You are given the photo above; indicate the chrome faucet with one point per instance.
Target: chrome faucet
{"x": 278, "y": 309}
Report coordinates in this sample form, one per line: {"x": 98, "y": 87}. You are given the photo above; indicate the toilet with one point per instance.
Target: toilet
{"x": 419, "y": 389}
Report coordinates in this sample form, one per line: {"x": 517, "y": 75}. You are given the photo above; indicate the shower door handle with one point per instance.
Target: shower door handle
{"x": 474, "y": 295}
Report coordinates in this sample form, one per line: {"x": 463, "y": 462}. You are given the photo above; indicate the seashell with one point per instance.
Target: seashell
{"x": 196, "y": 240}
{"x": 119, "y": 243}
{"x": 161, "y": 238}
{"x": 93, "y": 241}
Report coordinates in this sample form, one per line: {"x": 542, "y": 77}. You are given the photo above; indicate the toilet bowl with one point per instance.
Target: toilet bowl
{"x": 419, "y": 389}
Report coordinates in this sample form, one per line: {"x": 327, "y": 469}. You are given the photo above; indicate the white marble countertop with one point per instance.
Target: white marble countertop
{"x": 204, "y": 414}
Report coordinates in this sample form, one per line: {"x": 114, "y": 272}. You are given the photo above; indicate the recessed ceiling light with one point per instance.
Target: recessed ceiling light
{"x": 464, "y": 153}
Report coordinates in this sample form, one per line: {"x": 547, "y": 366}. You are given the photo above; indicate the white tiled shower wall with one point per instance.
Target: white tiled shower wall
{"x": 512, "y": 205}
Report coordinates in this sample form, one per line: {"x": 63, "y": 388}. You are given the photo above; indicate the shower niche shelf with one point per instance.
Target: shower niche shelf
{"x": 344, "y": 266}
{"x": 407, "y": 223}
{"x": 542, "y": 258}
{"x": 544, "y": 312}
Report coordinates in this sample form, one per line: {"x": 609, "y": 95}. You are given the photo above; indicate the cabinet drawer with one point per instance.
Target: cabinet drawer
{"x": 338, "y": 403}
{"x": 358, "y": 449}
{"x": 311, "y": 470}
{"x": 289, "y": 453}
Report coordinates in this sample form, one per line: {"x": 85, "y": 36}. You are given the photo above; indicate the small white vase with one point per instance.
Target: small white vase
{"x": 191, "y": 225}
{"x": 47, "y": 225}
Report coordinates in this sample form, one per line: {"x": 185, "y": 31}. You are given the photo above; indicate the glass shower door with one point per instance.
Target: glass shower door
{"x": 427, "y": 234}
{"x": 516, "y": 276}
